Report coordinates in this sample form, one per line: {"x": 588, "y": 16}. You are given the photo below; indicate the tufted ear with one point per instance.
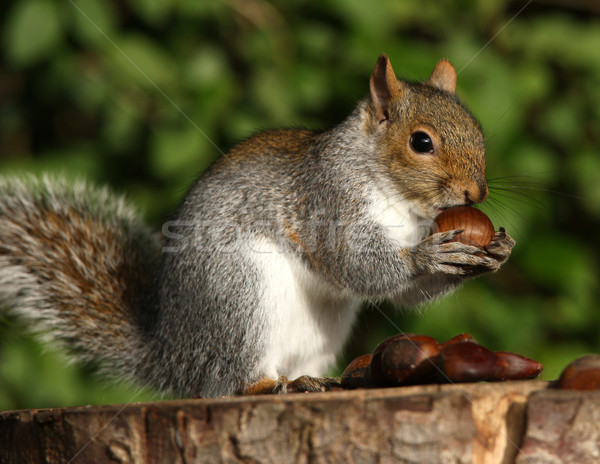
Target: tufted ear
{"x": 384, "y": 87}
{"x": 443, "y": 77}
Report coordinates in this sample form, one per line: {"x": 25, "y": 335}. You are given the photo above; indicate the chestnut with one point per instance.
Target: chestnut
{"x": 403, "y": 359}
{"x": 466, "y": 362}
{"x": 357, "y": 374}
{"x": 512, "y": 366}
{"x": 410, "y": 361}
{"x": 477, "y": 229}
{"x": 460, "y": 338}
{"x": 581, "y": 374}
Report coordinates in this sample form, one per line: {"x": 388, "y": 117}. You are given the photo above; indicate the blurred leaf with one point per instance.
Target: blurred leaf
{"x": 176, "y": 152}
{"x": 585, "y": 170}
{"x": 93, "y": 22}
{"x": 315, "y": 38}
{"x": 541, "y": 42}
{"x": 152, "y": 11}
{"x": 274, "y": 95}
{"x": 142, "y": 61}
{"x": 494, "y": 97}
{"x": 196, "y": 9}
{"x": 206, "y": 69}
{"x": 34, "y": 30}
{"x": 561, "y": 122}
{"x": 535, "y": 82}
{"x": 560, "y": 264}
{"x": 79, "y": 162}
{"x": 245, "y": 122}
{"x": 309, "y": 87}
{"x": 122, "y": 129}
{"x": 365, "y": 19}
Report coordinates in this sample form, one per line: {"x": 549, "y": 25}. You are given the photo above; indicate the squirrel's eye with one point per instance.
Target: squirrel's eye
{"x": 421, "y": 142}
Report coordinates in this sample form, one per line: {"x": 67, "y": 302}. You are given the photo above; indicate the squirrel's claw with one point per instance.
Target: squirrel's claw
{"x": 282, "y": 385}
{"x": 444, "y": 237}
{"x": 501, "y": 246}
{"x": 313, "y": 384}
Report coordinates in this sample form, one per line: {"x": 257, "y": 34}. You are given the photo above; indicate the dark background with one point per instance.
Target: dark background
{"x": 141, "y": 95}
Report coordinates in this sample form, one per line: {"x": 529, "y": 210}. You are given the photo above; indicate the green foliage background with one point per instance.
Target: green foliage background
{"x": 143, "y": 95}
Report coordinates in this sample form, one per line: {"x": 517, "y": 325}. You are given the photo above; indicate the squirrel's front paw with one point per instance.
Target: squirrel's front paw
{"x": 439, "y": 253}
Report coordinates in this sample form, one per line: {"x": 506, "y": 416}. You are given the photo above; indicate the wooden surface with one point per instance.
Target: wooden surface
{"x": 507, "y": 422}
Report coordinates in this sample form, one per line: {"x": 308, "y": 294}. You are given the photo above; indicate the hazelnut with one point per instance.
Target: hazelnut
{"x": 581, "y": 374}
{"x": 403, "y": 358}
{"x": 357, "y": 374}
{"x": 409, "y": 361}
{"x": 460, "y": 338}
{"x": 477, "y": 228}
{"x": 512, "y": 366}
{"x": 466, "y": 362}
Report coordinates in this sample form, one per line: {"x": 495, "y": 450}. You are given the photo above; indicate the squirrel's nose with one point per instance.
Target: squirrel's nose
{"x": 476, "y": 193}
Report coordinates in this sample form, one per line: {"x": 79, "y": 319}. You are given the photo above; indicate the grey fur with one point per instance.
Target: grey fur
{"x": 35, "y": 285}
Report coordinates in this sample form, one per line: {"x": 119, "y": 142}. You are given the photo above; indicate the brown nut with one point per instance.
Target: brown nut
{"x": 399, "y": 357}
{"x": 410, "y": 361}
{"x": 477, "y": 228}
{"x": 581, "y": 374}
{"x": 375, "y": 367}
{"x": 466, "y": 362}
{"x": 356, "y": 374}
{"x": 460, "y": 338}
{"x": 512, "y": 366}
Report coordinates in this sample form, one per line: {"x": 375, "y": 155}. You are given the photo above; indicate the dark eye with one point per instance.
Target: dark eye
{"x": 421, "y": 142}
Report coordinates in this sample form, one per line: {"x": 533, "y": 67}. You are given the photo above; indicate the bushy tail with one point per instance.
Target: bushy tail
{"x": 77, "y": 263}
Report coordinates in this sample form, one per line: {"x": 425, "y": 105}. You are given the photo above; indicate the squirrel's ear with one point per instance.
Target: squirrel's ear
{"x": 384, "y": 87}
{"x": 443, "y": 77}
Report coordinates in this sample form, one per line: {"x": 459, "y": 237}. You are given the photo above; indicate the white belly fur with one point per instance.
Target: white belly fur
{"x": 308, "y": 321}
{"x": 397, "y": 217}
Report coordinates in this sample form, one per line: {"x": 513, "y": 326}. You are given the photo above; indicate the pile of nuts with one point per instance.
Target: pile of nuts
{"x": 408, "y": 359}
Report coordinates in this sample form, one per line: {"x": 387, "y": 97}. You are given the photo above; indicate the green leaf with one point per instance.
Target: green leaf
{"x": 93, "y": 22}
{"x": 585, "y": 171}
{"x": 178, "y": 152}
{"x": 152, "y": 11}
{"x": 562, "y": 122}
{"x": 205, "y": 67}
{"x": 34, "y": 31}
{"x": 561, "y": 264}
{"x": 143, "y": 61}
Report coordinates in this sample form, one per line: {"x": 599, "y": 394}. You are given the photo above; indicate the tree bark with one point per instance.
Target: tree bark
{"x": 507, "y": 422}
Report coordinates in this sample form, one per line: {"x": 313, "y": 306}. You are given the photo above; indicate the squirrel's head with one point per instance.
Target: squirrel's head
{"x": 430, "y": 144}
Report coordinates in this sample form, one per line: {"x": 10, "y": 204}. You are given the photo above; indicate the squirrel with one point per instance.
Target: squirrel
{"x": 260, "y": 274}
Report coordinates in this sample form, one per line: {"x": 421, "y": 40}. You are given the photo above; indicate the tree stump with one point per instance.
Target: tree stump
{"x": 522, "y": 422}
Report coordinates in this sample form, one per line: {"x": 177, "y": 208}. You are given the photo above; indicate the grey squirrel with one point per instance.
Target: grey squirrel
{"x": 261, "y": 272}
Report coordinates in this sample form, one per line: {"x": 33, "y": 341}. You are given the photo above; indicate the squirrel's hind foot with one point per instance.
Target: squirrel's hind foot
{"x": 303, "y": 384}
